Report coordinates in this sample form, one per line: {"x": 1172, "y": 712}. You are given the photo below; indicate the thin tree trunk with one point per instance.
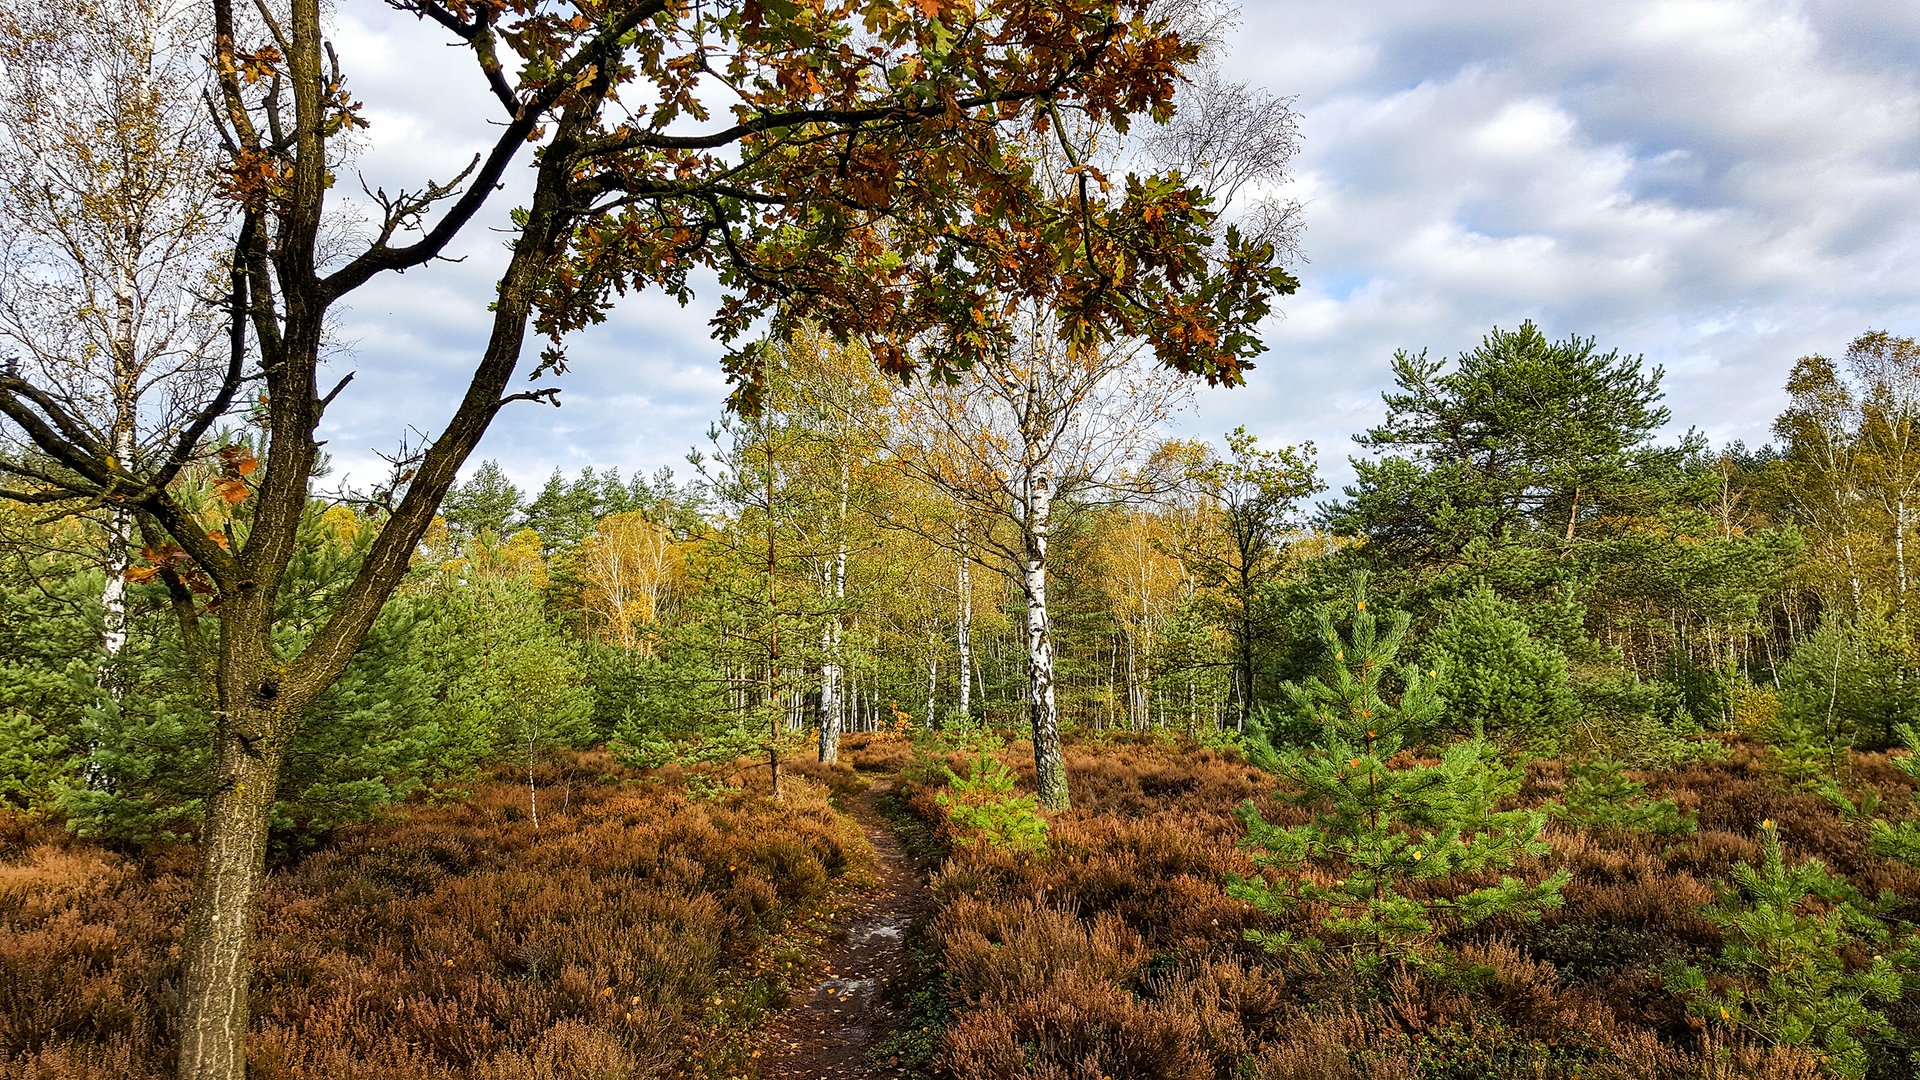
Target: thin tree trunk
{"x": 1136, "y": 702}
{"x": 933, "y": 683}
{"x": 533, "y": 791}
{"x": 772, "y": 695}
{"x": 1900, "y": 551}
{"x": 1049, "y": 763}
{"x": 980, "y": 681}
{"x": 1113, "y": 692}
{"x": 1853, "y": 576}
{"x": 832, "y": 718}
{"x": 1243, "y": 632}
{"x": 964, "y": 633}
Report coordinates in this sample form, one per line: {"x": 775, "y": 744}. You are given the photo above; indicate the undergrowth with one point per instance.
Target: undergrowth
{"x": 1122, "y": 954}
{"x": 637, "y": 933}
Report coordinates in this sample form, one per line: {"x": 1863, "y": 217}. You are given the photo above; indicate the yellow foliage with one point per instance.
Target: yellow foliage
{"x": 630, "y": 565}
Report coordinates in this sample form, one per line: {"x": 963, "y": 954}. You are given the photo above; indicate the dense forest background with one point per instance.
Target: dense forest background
{"x": 1553, "y": 701}
{"x": 1584, "y": 576}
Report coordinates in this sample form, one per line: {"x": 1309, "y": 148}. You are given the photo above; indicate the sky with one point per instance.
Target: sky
{"x": 1720, "y": 186}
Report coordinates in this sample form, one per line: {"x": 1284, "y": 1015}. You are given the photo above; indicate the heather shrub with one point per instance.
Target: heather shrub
{"x": 1128, "y": 923}
{"x": 1049, "y": 997}
{"x": 631, "y": 935}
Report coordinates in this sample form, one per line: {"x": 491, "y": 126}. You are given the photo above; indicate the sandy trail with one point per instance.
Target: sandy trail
{"x": 830, "y": 1034}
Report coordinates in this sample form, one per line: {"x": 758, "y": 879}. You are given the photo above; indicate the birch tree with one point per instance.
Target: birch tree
{"x": 825, "y": 390}
{"x": 1050, "y": 421}
{"x": 628, "y": 567}
{"x": 1831, "y": 470}
{"x": 1029, "y": 437}
{"x": 1887, "y": 371}
{"x": 112, "y": 231}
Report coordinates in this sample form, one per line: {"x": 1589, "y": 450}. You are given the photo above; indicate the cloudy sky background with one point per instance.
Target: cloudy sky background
{"x": 1720, "y": 185}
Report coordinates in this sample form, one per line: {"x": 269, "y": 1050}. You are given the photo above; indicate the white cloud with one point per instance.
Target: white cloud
{"x": 1722, "y": 185}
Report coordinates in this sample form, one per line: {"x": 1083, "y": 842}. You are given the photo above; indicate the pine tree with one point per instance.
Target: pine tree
{"x": 1787, "y": 933}
{"x": 487, "y": 503}
{"x": 1380, "y": 823}
{"x": 49, "y": 667}
{"x": 1497, "y": 677}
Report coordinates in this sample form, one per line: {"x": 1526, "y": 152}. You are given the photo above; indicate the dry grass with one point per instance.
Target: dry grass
{"x": 635, "y": 934}
{"x": 1118, "y": 954}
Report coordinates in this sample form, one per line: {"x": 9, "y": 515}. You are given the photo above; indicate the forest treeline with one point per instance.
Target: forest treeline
{"x": 1579, "y": 578}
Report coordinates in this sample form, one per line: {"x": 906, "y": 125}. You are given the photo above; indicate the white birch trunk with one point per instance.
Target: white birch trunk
{"x": 964, "y": 633}
{"x": 832, "y": 709}
{"x": 126, "y": 388}
{"x": 1900, "y": 550}
{"x": 1049, "y": 765}
{"x": 933, "y": 683}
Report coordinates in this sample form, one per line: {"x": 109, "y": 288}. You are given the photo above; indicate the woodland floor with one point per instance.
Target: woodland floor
{"x": 839, "y": 1030}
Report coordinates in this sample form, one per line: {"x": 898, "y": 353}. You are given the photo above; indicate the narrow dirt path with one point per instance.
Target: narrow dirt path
{"x": 830, "y": 1035}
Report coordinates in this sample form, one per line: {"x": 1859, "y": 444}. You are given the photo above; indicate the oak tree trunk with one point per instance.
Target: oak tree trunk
{"x": 218, "y": 945}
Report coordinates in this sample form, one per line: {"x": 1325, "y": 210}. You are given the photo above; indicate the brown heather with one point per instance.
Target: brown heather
{"x": 1118, "y": 956}
{"x": 631, "y": 936}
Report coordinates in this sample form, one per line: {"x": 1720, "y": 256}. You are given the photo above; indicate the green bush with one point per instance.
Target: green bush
{"x": 50, "y": 657}
{"x": 1848, "y": 686}
{"x": 1602, "y": 796}
{"x": 454, "y": 675}
{"x": 1494, "y": 676}
{"x": 1642, "y": 722}
{"x": 982, "y": 804}
{"x": 1901, "y": 839}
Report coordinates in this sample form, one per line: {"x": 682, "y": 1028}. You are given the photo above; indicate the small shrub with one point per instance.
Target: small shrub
{"x": 1787, "y": 934}
{"x": 1603, "y": 796}
{"x": 1901, "y": 839}
{"x": 983, "y": 804}
{"x": 1221, "y": 739}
